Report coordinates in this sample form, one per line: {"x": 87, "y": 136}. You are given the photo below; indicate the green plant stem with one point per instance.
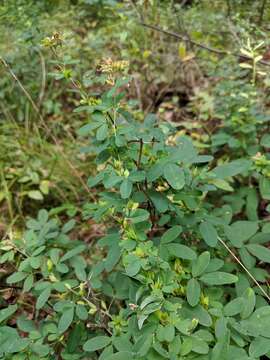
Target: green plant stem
{"x": 140, "y": 154}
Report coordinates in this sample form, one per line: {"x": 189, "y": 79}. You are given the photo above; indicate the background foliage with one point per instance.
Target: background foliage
{"x": 135, "y": 180}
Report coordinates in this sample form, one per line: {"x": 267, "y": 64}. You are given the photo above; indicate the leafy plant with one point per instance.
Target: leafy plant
{"x": 169, "y": 288}
{"x": 179, "y": 267}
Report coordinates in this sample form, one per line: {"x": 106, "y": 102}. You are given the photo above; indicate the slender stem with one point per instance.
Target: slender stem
{"x": 89, "y": 302}
{"x": 202, "y": 46}
{"x": 111, "y": 119}
{"x": 140, "y": 154}
{"x": 243, "y": 266}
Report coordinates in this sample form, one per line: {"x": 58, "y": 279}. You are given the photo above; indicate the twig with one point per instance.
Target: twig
{"x": 202, "y": 46}
{"x": 111, "y": 119}
{"x": 243, "y": 266}
{"x": 140, "y": 154}
{"x": 26, "y": 93}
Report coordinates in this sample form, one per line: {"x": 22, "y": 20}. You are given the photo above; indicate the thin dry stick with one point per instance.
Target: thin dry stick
{"x": 243, "y": 266}
{"x": 202, "y": 46}
{"x": 49, "y": 133}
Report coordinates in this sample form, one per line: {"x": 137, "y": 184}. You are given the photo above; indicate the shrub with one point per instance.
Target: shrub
{"x": 161, "y": 283}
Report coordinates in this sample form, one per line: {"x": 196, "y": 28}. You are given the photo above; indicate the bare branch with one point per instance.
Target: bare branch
{"x": 202, "y": 46}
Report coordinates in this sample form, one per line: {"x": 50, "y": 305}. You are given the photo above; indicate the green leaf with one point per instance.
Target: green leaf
{"x": 102, "y": 132}
{"x": 249, "y": 302}
{"x": 175, "y": 345}
{"x": 160, "y": 201}
{"x": 261, "y": 252}
{"x": 221, "y": 328}
{"x": 155, "y": 171}
{"x": 122, "y": 355}
{"x": 139, "y": 215}
{"x": 126, "y": 189}
{"x": 28, "y": 283}
{"x": 198, "y": 312}
{"x": 265, "y": 140}
{"x": 221, "y": 349}
{"x": 200, "y": 265}
{"x": 185, "y": 151}
{"x": 240, "y": 231}
{"x": 165, "y": 333}
{"x": 122, "y": 343}
{"x": 71, "y": 253}
{"x": 186, "y": 346}
{"x": 87, "y": 128}
{"x": 252, "y": 205}
{"x": 133, "y": 268}
{"x": 219, "y": 278}
{"x": 171, "y": 234}
{"x": 258, "y": 324}
{"x": 93, "y": 181}
{"x": 25, "y": 324}
{"x": 68, "y": 226}
{"x": 193, "y": 292}
{"x": 81, "y": 312}
{"x": 110, "y": 180}
{"x": 55, "y": 255}
{"x": 137, "y": 176}
{"x": 181, "y": 251}
{"x": 148, "y": 300}
{"x": 35, "y": 262}
{"x": 169, "y": 333}
{"x": 264, "y": 185}
{"x": 209, "y": 233}
{"x": 234, "y": 307}
{"x": 43, "y": 298}
{"x": 222, "y": 184}
{"x": 16, "y": 277}
{"x": 160, "y": 350}
{"x": 10, "y": 342}
{"x": 66, "y": 320}
{"x": 232, "y": 168}
{"x": 41, "y": 349}
{"x": 97, "y": 343}
{"x": 175, "y": 176}
{"x": 35, "y": 194}
{"x": 43, "y": 216}
{"x": 143, "y": 344}
{"x": 259, "y": 347}
{"x": 199, "y": 346}
{"x": 7, "y": 312}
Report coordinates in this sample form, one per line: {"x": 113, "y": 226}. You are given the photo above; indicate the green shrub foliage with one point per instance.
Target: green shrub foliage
{"x": 160, "y": 283}
{"x": 179, "y": 265}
